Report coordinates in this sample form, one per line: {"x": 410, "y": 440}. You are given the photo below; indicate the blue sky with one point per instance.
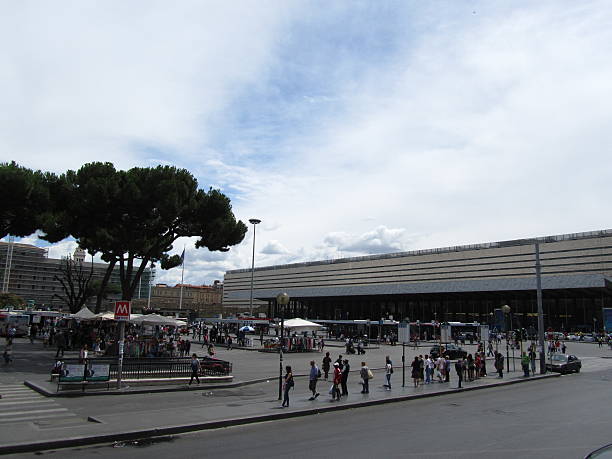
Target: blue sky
{"x": 348, "y": 128}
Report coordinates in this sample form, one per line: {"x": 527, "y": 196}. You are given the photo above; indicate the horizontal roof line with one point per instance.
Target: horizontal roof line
{"x": 457, "y": 248}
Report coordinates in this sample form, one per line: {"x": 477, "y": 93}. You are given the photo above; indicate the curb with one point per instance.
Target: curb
{"x": 210, "y": 425}
{"x": 153, "y": 390}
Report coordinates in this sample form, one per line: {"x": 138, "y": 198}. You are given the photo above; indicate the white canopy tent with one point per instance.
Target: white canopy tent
{"x": 155, "y": 319}
{"x": 84, "y": 314}
{"x": 300, "y": 325}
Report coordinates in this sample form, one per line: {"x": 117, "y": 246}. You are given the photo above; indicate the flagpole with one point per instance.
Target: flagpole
{"x": 182, "y": 274}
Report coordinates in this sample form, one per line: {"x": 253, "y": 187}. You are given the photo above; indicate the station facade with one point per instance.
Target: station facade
{"x": 463, "y": 283}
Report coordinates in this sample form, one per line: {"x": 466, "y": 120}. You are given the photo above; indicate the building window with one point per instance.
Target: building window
{"x": 33, "y": 287}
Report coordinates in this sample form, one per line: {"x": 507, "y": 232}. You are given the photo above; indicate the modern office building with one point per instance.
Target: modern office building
{"x": 27, "y": 271}
{"x": 462, "y": 283}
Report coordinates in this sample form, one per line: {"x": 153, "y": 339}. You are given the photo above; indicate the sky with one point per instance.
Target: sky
{"x": 348, "y": 127}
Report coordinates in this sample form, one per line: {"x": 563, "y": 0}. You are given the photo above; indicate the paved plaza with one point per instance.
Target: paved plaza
{"x": 27, "y": 416}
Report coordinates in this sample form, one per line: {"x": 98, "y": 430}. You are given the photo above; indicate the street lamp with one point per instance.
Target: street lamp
{"x": 282, "y": 299}
{"x": 506, "y": 310}
{"x": 254, "y": 222}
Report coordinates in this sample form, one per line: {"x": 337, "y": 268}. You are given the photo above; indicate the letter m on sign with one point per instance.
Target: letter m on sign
{"x": 122, "y": 310}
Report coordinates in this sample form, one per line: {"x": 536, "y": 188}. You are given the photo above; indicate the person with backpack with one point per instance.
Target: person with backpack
{"x": 195, "y": 369}
{"x": 288, "y": 384}
{"x": 314, "y": 376}
{"x": 365, "y": 375}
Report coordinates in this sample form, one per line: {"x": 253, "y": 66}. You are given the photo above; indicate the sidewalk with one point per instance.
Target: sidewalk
{"x": 227, "y": 407}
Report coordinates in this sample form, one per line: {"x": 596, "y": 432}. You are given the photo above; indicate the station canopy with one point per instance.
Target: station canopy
{"x": 301, "y": 325}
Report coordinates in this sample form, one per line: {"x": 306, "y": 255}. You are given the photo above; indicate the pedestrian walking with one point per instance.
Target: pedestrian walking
{"x": 365, "y": 375}
{"x": 471, "y": 367}
{"x": 499, "y": 364}
{"x": 8, "y": 352}
{"x": 326, "y": 365}
{"x": 60, "y": 341}
{"x": 196, "y": 367}
{"x": 416, "y": 374}
{"x": 288, "y": 384}
{"x": 447, "y": 368}
{"x": 345, "y": 374}
{"x": 459, "y": 367}
{"x": 563, "y": 348}
{"x": 532, "y": 360}
{"x": 337, "y": 380}
{"x": 314, "y": 376}
{"x": 388, "y": 372}
{"x": 421, "y": 369}
{"x": 340, "y": 362}
{"x": 429, "y": 369}
{"x": 483, "y": 365}
{"x": 440, "y": 368}
{"x": 83, "y": 354}
{"x": 525, "y": 364}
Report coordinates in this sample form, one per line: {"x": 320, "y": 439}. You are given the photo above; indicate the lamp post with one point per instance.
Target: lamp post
{"x": 506, "y": 310}
{"x": 254, "y": 222}
{"x": 282, "y": 299}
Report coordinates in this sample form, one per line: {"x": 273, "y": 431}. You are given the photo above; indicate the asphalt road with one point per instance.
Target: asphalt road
{"x": 560, "y": 418}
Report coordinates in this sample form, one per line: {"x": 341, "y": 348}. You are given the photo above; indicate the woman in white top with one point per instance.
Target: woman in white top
{"x": 388, "y": 372}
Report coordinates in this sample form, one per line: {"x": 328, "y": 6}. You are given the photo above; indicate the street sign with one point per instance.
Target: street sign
{"x": 122, "y": 310}
{"x": 403, "y": 334}
{"x": 445, "y": 333}
{"x": 484, "y": 333}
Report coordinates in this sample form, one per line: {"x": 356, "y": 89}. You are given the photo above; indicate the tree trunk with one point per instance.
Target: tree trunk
{"x": 105, "y": 280}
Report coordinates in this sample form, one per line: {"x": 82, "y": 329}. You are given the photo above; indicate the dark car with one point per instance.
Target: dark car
{"x": 453, "y": 352}
{"x": 563, "y": 363}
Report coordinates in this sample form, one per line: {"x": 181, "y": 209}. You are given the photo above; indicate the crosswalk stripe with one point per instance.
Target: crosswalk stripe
{"x": 24, "y": 402}
{"x": 42, "y": 416}
{"x": 17, "y": 413}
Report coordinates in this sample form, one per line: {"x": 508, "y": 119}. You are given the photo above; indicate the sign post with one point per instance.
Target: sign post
{"x": 403, "y": 336}
{"x": 122, "y": 314}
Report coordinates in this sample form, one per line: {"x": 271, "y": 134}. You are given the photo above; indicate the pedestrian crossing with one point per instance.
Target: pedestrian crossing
{"x": 22, "y": 404}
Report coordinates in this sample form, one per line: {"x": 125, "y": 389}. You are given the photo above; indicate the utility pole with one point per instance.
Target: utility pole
{"x": 540, "y": 309}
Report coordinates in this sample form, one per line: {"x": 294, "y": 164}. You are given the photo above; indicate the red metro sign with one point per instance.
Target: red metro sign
{"x": 122, "y": 310}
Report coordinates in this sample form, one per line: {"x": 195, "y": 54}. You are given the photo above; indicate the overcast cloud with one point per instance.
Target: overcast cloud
{"x": 348, "y": 128}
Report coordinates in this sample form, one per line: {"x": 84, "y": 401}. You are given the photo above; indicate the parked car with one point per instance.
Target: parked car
{"x": 563, "y": 363}
{"x": 453, "y": 352}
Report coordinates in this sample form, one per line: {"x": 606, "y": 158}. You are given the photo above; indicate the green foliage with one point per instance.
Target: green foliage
{"x": 10, "y": 299}
{"x": 26, "y": 199}
{"x": 133, "y": 217}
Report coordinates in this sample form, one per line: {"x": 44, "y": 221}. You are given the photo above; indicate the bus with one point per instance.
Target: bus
{"x": 19, "y": 320}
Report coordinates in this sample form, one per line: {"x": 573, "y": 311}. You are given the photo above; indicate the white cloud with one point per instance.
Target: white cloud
{"x": 274, "y": 248}
{"x": 380, "y": 240}
{"x": 326, "y": 122}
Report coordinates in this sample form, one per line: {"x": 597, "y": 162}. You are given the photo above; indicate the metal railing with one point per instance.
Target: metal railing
{"x": 179, "y": 367}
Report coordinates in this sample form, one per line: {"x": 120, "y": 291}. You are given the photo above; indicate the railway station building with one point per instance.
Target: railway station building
{"x": 462, "y": 283}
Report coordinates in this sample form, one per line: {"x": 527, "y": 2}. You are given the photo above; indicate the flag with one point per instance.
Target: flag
{"x": 182, "y": 257}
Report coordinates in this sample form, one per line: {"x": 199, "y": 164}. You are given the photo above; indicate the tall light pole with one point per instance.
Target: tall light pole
{"x": 506, "y": 310}
{"x": 538, "y": 267}
{"x": 282, "y": 299}
{"x": 254, "y": 222}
